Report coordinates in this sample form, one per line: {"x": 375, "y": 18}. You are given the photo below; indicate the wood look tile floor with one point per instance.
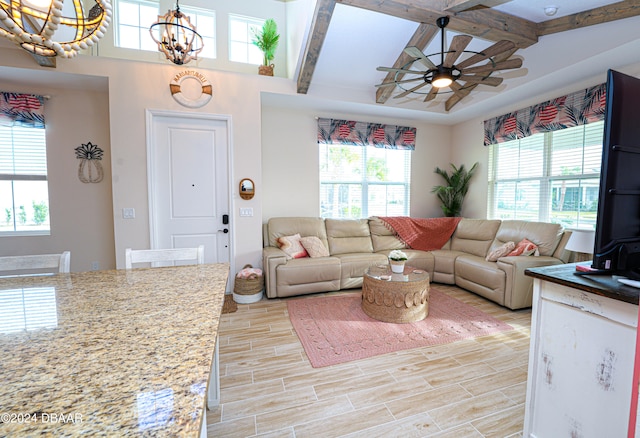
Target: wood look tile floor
{"x": 471, "y": 388}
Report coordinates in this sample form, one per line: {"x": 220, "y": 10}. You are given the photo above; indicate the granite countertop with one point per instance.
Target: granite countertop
{"x": 603, "y": 285}
{"x": 109, "y": 353}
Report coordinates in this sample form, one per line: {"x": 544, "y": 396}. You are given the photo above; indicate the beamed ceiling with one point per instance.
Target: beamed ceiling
{"x": 376, "y": 23}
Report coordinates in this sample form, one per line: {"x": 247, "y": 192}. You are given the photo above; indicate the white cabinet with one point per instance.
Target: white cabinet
{"x": 580, "y": 364}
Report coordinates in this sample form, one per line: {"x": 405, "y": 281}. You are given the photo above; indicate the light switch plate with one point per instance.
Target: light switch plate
{"x": 246, "y": 211}
{"x": 128, "y": 213}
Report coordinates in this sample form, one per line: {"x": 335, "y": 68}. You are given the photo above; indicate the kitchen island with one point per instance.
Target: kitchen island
{"x": 110, "y": 353}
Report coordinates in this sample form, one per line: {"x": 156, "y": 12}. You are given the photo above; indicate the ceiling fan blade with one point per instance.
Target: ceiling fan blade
{"x": 457, "y": 97}
{"x": 457, "y": 89}
{"x": 504, "y": 65}
{"x": 401, "y": 70}
{"x": 417, "y": 53}
{"x": 489, "y": 52}
{"x": 488, "y": 80}
{"x": 411, "y": 90}
{"x": 432, "y": 94}
{"x": 404, "y": 81}
{"x": 458, "y": 44}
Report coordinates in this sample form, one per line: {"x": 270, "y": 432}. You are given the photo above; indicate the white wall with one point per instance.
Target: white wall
{"x": 290, "y": 160}
{"x": 467, "y": 147}
{"x": 80, "y": 213}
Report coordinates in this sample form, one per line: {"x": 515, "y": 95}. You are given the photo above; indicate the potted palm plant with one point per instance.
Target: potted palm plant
{"x": 452, "y": 194}
{"x": 266, "y": 39}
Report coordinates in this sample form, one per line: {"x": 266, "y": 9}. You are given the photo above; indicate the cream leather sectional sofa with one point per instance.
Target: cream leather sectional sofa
{"x": 355, "y": 245}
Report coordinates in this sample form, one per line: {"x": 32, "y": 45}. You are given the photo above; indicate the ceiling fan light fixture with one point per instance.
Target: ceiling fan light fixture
{"x": 442, "y": 77}
{"x": 441, "y": 80}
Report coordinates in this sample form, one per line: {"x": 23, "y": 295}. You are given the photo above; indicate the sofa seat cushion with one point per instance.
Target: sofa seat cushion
{"x": 480, "y": 276}
{"x": 354, "y": 265}
{"x": 308, "y": 275}
{"x": 444, "y": 265}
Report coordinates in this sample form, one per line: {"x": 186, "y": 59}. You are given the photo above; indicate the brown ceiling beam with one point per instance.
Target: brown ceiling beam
{"x": 484, "y": 23}
{"x": 317, "y": 33}
{"x": 420, "y": 39}
{"x": 603, "y": 14}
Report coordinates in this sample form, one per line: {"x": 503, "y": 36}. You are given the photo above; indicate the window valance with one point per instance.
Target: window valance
{"x": 22, "y": 109}
{"x": 332, "y": 131}
{"x": 574, "y": 109}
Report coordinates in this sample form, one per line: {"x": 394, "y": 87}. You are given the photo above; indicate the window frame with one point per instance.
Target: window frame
{"x": 364, "y": 182}
{"x": 257, "y": 22}
{"x": 117, "y": 25}
{"x": 36, "y": 174}
{"x": 547, "y": 180}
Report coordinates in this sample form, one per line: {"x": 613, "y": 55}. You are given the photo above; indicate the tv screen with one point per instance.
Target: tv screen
{"x": 617, "y": 240}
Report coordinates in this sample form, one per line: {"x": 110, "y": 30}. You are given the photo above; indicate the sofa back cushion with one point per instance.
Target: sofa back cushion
{"x": 348, "y": 236}
{"x": 277, "y": 227}
{"x": 474, "y": 236}
{"x": 545, "y": 235}
{"x": 383, "y": 238}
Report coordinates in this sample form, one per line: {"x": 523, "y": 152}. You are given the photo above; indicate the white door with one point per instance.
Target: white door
{"x": 188, "y": 165}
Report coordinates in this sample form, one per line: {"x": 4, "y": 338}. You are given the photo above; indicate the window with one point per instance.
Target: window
{"x": 362, "y": 181}
{"x": 205, "y": 23}
{"x": 549, "y": 177}
{"x": 24, "y": 199}
{"x": 241, "y": 30}
{"x": 133, "y": 20}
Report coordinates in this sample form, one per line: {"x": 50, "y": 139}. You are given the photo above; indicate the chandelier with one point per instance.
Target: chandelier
{"x": 53, "y": 27}
{"x": 180, "y": 42}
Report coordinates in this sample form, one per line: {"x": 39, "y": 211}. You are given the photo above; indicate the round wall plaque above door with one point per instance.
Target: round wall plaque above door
{"x": 201, "y": 98}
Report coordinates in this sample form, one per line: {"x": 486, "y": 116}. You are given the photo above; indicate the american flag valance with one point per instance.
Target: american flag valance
{"x": 23, "y": 109}
{"x": 333, "y": 131}
{"x": 579, "y": 108}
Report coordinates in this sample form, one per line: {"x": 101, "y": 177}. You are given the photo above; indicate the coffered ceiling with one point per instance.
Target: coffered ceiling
{"x": 349, "y": 39}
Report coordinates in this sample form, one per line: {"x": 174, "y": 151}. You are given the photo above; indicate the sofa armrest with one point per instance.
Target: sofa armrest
{"x": 518, "y": 292}
{"x": 272, "y": 257}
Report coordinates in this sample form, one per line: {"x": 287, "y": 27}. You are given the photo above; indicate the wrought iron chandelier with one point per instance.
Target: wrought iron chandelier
{"x": 179, "y": 40}
{"x": 40, "y": 27}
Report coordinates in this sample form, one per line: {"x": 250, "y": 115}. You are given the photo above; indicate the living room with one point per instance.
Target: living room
{"x": 103, "y": 100}
{"x": 273, "y": 129}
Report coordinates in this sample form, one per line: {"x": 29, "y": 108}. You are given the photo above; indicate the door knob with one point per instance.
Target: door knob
{"x": 225, "y": 230}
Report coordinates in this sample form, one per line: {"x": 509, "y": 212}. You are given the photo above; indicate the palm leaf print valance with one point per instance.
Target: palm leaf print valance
{"x": 333, "y": 131}
{"x": 574, "y": 109}
{"x": 23, "y": 109}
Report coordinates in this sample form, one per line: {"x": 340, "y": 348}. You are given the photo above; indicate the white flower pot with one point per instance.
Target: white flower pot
{"x": 397, "y": 267}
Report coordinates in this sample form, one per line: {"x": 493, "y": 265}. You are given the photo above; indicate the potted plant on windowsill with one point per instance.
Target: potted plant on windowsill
{"x": 452, "y": 195}
{"x": 397, "y": 260}
{"x": 267, "y": 41}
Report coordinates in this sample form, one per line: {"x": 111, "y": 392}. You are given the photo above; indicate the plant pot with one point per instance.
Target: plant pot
{"x": 397, "y": 266}
{"x": 266, "y": 70}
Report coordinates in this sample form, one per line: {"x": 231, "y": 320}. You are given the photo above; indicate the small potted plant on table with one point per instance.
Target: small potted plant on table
{"x": 397, "y": 260}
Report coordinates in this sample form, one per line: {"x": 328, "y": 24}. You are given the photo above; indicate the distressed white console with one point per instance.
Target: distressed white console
{"x": 581, "y": 357}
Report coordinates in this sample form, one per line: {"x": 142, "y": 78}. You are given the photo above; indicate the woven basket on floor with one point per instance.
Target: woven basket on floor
{"x": 249, "y": 286}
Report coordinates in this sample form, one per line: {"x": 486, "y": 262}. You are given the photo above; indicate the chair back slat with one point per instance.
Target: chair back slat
{"x": 134, "y": 256}
{"x": 37, "y": 263}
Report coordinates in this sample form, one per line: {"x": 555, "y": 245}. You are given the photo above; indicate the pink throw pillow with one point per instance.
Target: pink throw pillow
{"x": 314, "y": 246}
{"x": 292, "y": 247}
{"x": 525, "y": 248}
{"x": 500, "y": 251}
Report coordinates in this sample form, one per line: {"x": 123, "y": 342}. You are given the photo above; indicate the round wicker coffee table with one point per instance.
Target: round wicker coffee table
{"x": 398, "y": 298}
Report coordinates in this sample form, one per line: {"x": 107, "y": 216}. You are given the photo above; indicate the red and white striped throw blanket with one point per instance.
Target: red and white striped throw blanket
{"x": 425, "y": 234}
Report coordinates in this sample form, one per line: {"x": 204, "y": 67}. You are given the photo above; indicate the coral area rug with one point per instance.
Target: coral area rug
{"x": 335, "y": 329}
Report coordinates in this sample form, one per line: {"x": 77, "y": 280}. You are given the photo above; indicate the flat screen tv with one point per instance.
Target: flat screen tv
{"x": 617, "y": 239}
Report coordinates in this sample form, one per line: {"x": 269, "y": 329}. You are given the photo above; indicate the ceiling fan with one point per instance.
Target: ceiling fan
{"x": 460, "y": 78}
